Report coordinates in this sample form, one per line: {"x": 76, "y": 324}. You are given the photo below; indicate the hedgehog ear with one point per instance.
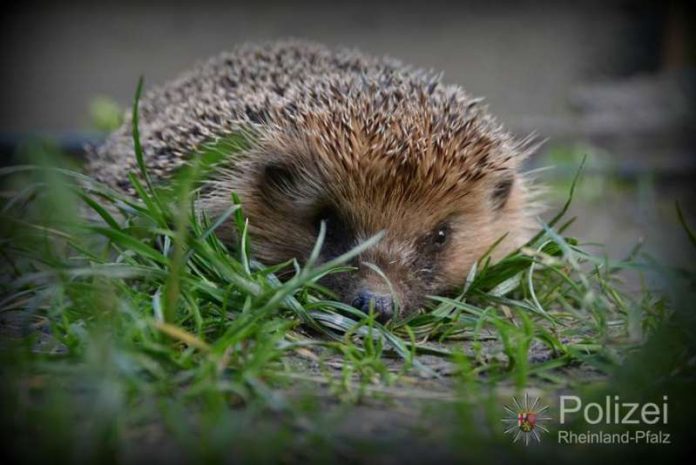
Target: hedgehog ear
{"x": 278, "y": 177}
{"x": 501, "y": 191}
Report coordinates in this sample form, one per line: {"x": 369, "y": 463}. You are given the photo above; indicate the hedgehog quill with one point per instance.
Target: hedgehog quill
{"x": 361, "y": 143}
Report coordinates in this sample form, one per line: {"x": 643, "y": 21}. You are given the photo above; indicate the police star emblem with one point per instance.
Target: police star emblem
{"x": 525, "y": 419}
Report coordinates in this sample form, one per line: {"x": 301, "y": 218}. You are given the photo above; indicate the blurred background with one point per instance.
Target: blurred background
{"x": 611, "y": 80}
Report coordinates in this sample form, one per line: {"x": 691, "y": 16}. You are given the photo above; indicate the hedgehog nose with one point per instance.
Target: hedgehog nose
{"x": 383, "y": 304}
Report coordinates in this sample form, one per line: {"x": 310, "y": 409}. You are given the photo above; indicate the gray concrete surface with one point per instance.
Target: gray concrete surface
{"x": 524, "y": 57}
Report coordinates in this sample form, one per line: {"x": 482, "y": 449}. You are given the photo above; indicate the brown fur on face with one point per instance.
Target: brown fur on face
{"x": 415, "y": 179}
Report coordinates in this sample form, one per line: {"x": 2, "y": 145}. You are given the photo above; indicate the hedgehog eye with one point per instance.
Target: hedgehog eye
{"x": 440, "y": 235}
{"x": 501, "y": 192}
{"x": 328, "y": 215}
{"x": 339, "y": 235}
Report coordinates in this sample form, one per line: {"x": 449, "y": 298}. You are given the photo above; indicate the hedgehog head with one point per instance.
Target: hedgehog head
{"x": 437, "y": 176}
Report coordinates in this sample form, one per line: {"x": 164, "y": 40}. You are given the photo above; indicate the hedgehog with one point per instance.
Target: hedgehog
{"x": 362, "y": 144}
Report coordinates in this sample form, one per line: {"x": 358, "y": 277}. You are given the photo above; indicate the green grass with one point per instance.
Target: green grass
{"x": 136, "y": 324}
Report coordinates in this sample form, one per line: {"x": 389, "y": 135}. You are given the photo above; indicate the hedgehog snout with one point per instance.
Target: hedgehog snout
{"x": 383, "y": 304}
